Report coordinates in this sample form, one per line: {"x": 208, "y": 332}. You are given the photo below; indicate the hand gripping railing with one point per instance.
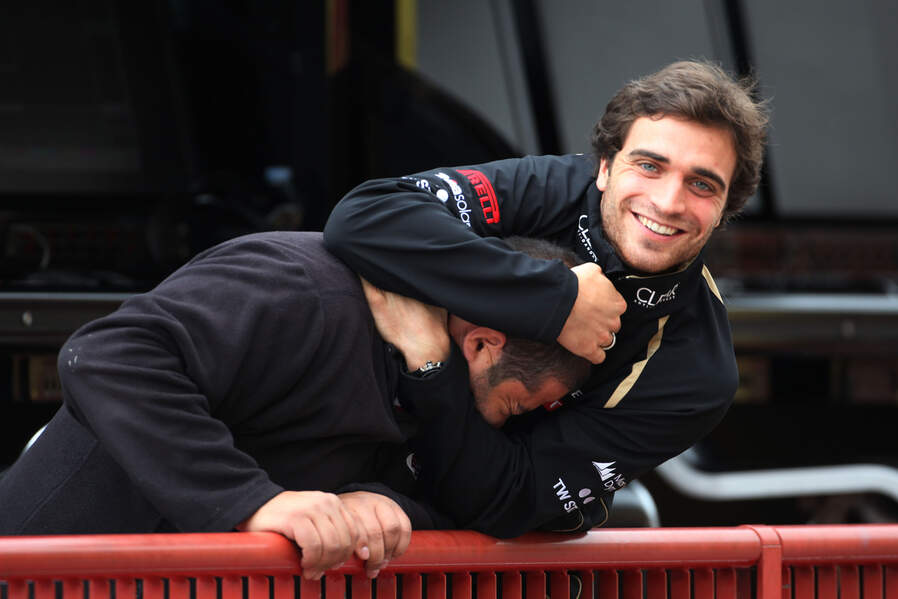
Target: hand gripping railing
{"x": 800, "y": 562}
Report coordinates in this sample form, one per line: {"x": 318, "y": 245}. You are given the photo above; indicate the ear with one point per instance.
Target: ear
{"x": 602, "y": 179}
{"x": 482, "y": 347}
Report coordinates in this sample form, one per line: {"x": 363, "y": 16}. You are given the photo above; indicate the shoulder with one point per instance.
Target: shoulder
{"x": 699, "y": 343}
{"x": 574, "y": 166}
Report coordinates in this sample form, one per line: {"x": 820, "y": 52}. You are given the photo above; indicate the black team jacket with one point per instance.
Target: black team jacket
{"x": 436, "y": 236}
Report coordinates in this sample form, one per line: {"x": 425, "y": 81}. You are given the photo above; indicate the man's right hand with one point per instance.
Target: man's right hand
{"x": 318, "y": 522}
{"x": 595, "y": 315}
{"x": 383, "y": 522}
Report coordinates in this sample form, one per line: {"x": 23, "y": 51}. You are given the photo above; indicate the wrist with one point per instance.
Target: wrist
{"x": 418, "y": 358}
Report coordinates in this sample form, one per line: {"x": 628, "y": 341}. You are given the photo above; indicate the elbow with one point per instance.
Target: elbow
{"x": 335, "y": 229}
{"x": 342, "y": 227}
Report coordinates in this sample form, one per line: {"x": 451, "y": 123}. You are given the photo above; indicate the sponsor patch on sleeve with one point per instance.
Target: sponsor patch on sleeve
{"x": 485, "y": 193}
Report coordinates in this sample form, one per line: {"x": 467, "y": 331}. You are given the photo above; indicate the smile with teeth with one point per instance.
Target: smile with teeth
{"x": 656, "y": 227}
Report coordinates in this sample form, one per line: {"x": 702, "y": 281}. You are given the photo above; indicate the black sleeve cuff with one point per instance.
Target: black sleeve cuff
{"x": 423, "y": 516}
{"x": 423, "y": 396}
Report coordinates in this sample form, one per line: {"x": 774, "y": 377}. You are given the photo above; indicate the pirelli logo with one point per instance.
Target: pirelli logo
{"x": 485, "y": 194}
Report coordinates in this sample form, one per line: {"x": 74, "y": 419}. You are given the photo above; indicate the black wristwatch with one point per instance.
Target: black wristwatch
{"x": 428, "y": 370}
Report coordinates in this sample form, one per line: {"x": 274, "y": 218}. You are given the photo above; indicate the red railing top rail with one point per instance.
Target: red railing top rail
{"x": 835, "y": 544}
{"x": 429, "y": 551}
{"x": 224, "y": 554}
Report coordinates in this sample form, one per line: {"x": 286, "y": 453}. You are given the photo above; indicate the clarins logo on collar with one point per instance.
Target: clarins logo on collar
{"x": 649, "y": 298}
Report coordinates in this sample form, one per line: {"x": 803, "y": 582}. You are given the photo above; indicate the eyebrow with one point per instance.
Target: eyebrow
{"x": 698, "y": 170}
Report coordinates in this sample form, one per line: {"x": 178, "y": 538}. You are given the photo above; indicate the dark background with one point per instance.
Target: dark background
{"x": 135, "y": 134}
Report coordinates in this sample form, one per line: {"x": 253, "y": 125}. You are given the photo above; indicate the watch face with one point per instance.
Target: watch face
{"x": 429, "y": 369}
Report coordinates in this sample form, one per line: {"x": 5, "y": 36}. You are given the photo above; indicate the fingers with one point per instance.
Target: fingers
{"x": 318, "y": 522}
{"x": 383, "y": 523}
{"x": 337, "y": 538}
{"x": 392, "y": 534}
{"x": 591, "y": 327}
{"x": 405, "y": 532}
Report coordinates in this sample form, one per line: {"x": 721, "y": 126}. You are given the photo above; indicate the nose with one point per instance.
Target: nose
{"x": 670, "y": 195}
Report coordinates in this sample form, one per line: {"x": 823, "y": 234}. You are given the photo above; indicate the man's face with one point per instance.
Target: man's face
{"x": 665, "y": 191}
{"x": 482, "y": 348}
{"x": 510, "y": 397}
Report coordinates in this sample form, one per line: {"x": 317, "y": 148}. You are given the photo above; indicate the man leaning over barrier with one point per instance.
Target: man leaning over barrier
{"x": 676, "y": 154}
{"x": 250, "y": 390}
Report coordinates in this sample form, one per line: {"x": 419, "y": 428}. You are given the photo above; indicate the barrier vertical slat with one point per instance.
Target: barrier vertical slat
{"x": 258, "y": 587}
{"x": 206, "y": 587}
{"x": 283, "y": 587}
{"x": 744, "y": 581}
{"x": 72, "y": 588}
{"x": 17, "y": 589}
{"x": 99, "y": 588}
{"x": 361, "y": 587}
{"x": 586, "y": 585}
{"x": 656, "y": 584}
{"x": 770, "y": 565}
{"x": 44, "y": 589}
{"x": 787, "y": 582}
{"x": 461, "y": 586}
{"x": 436, "y": 586}
{"x": 178, "y": 588}
{"x": 608, "y": 585}
{"x": 411, "y": 586}
{"x": 486, "y": 585}
{"x": 231, "y": 587}
{"x": 679, "y": 584}
{"x": 849, "y": 582}
{"x": 536, "y": 585}
{"x": 152, "y": 589}
{"x": 631, "y": 583}
{"x": 559, "y": 585}
{"x": 511, "y": 586}
{"x": 126, "y": 588}
{"x": 871, "y": 582}
{"x": 308, "y": 589}
{"x": 334, "y": 586}
{"x": 826, "y": 582}
{"x": 726, "y": 583}
{"x": 803, "y": 582}
{"x": 891, "y": 582}
{"x": 703, "y": 584}
{"x": 386, "y": 586}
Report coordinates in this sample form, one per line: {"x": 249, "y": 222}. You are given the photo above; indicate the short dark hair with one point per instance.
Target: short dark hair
{"x": 533, "y": 362}
{"x": 698, "y": 91}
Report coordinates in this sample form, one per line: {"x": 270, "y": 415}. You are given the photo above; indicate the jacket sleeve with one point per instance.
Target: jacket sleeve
{"x": 157, "y": 382}
{"x": 557, "y": 470}
{"x": 433, "y": 236}
{"x": 422, "y": 514}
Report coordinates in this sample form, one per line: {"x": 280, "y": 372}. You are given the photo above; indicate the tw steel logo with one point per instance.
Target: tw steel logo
{"x": 485, "y": 194}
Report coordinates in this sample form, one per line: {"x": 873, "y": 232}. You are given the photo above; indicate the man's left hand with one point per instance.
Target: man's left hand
{"x": 383, "y": 525}
{"x": 418, "y": 330}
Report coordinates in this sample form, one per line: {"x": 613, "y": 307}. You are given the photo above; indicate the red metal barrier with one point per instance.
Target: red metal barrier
{"x": 802, "y": 562}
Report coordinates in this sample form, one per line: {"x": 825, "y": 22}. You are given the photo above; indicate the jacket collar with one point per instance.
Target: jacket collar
{"x": 648, "y": 296}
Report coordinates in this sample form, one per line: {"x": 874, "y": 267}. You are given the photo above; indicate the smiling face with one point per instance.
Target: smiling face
{"x": 665, "y": 191}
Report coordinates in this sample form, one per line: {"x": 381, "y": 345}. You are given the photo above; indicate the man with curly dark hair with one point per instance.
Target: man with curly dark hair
{"x": 676, "y": 154}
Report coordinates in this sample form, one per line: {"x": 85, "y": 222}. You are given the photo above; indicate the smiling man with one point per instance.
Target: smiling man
{"x": 676, "y": 154}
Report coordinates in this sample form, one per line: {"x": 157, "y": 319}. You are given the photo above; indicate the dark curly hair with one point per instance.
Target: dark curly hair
{"x": 698, "y": 91}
